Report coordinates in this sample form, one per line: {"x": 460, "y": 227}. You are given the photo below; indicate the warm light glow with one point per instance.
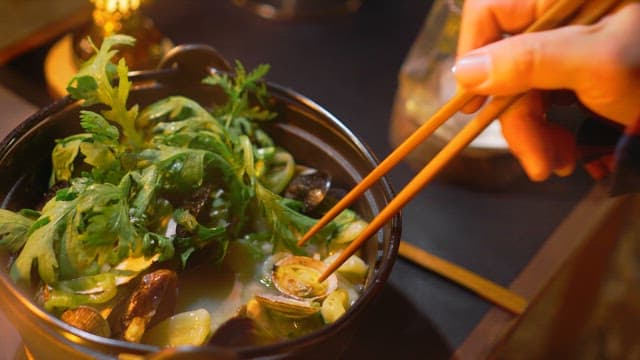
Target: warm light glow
{"x": 108, "y": 14}
{"x": 111, "y": 6}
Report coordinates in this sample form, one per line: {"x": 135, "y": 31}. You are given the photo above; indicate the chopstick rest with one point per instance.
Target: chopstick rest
{"x": 484, "y": 288}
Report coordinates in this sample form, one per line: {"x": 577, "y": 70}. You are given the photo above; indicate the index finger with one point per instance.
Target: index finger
{"x": 486, "y": 21}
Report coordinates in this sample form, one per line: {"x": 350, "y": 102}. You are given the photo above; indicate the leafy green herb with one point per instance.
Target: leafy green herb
{"x": 100, "y": 129}
{"x": 93, "y": 84}
{"x": 64, "y": 155}
{"x": 88, "y": 231}
{"x": 153, "y": 244}
{"x": 14, "y": 229}
{"x": 41, "y": 243}
{"x": 200, "y": 235}
{"x": 238, "y": 88}
{"x": 130, "y": 172}
{"x": 286, "y": 223}
{"x": 99, "y": 146}
{"x": 146, "y": 184}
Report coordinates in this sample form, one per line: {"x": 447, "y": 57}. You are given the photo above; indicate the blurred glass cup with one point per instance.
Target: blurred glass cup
{"x": 426, "y": 83}
{"x": 294, "y": 9}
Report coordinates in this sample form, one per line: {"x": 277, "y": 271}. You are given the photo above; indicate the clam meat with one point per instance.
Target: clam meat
{"x": 297, "y": 277}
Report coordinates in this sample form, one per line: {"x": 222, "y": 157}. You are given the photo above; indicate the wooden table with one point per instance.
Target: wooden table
{"x": 26, "y": 25}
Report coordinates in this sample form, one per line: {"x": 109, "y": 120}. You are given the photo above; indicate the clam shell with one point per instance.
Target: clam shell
{"x": 297, "y": 277}
{"x": 288, "y": 307}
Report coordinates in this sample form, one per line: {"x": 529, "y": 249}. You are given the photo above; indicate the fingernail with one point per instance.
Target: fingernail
{"x": 535, "y": 170}
{"x": 537, "y": 175}
{"x": 564, "y": 170}
{"x": 473, "y": 69}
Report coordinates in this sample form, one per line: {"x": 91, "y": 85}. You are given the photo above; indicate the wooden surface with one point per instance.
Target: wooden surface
{"x": 595, "y": 213}
{"x": 25, "y": 25}
{"x": 485, "y": 288}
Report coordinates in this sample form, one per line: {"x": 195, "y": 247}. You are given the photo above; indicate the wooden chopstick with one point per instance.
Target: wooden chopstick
{"x": 486, "y": 289}
{"x": 555, "y": 16}
{"x": 426, "y": 129}
{"x": 486, "y": 115}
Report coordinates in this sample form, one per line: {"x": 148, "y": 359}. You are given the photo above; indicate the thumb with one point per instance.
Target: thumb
{"x": 543, "y": 60}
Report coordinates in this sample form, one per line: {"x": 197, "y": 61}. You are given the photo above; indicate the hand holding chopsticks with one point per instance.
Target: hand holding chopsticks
{"x": 557, "y": 15}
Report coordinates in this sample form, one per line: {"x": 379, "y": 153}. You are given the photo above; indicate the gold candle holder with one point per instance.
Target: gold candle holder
{"x": 108, "y": 17}
{"x": 122, "y": 17}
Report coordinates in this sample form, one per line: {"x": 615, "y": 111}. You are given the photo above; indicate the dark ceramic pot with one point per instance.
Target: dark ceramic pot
{"x": 311, "y": 133}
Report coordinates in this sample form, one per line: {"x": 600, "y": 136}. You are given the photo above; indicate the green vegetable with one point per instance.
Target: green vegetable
{"x": 71, "y": 294}
{"x": 89, "y": 230}
{"x": 281, "y": 168}
{"x": 14, "y": 229}
{"x": 334, "y": 306}
{"x": 131, "y": 173}
{"x": 287, "y": 224}
{"x": 238, "y": 109}
{"x": 187, "y": 328}
{"x": 93, "y": 84}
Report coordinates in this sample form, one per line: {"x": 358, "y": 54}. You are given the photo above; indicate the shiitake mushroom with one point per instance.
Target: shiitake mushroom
{"x": 153, "y": 300}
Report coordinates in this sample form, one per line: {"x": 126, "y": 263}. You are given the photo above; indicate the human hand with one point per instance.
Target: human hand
{"x": 600, "y": 63}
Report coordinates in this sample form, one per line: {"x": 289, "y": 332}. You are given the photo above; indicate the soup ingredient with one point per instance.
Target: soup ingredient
{"x": 152, "y": 301}
{"x": 309, "y": 186}
{"x": 334, "y": 306}
{"x": 240, "y": 331}
{"x": 282, "y": 317}
{"x": 288, "y": 307}
{"x": 143, "y": 193}
{"x": 354, "y": 267}
{"x": 14, "y": 228}
{"x": 349, "y": 227}
{"x": 93, "y": 84}
{"x": 88, "y": 319}
{"x": 186, "y": 328}
{"x": 118, "y": 182}
{"x": 297, "y": 277}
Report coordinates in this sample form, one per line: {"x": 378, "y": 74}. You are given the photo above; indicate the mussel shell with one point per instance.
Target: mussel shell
{"x": 309, "y": 186}
{"x": 331, "y": 198}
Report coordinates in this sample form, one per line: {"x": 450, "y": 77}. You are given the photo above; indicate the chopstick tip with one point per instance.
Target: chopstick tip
{"x": 327, "y": 272}
{"x": 305, "y": 238}
{"x": 344, "y": 255}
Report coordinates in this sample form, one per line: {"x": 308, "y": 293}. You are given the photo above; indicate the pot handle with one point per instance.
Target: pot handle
{"x": 194, "y": 61}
